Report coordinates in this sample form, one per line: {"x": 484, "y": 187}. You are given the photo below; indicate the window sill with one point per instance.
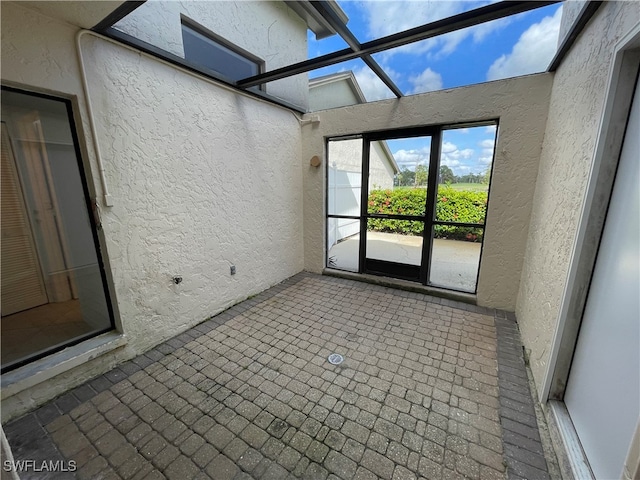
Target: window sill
{"x": 27, "y": 376}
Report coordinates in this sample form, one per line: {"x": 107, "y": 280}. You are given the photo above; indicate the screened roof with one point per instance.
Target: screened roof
{"x": 404, "y": 47}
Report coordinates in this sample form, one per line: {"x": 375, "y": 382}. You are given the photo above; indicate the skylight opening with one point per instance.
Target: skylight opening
{"x": 516, "y": 45}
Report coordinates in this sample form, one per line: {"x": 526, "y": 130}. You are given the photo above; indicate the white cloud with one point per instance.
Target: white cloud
{"x": 411, "y": 158}
{"x": 388, "y": 17}
{"x": 533, "y": 51}
{"x": 452, "y": 156}
{"x": 486, "y": 156}
{"x": 490, "y": 129}
{"x": 372, "y": 87}
{"x": 427, "y": 81}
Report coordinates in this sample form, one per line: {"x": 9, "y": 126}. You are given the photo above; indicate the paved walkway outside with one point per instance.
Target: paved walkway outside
{"x": 250, "y": 394}
{"x": 454, "y": 264}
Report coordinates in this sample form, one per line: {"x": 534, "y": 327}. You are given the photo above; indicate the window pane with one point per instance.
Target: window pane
{"x": 454, "y": 263}
{"x": 343, "y": 198}
{"x": 466, "y": 156}
{"x": 345, "y": 176}
{"x": 52, "y": 287}
{"x": 398, "y": 174}
{"x": 343, "y": 248}
{"x": 205, "y": 51}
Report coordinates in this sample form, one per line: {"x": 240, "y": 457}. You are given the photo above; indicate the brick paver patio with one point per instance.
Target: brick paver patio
{"x": 250, "y": 394}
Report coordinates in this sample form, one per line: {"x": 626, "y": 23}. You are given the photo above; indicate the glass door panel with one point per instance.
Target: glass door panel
{"x": 53, "y": 294}
{"x": 397, "y": 241}
{"x": 398, "y": 175}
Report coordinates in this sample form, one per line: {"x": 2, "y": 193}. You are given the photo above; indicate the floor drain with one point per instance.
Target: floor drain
{"x": 335, "y": 359}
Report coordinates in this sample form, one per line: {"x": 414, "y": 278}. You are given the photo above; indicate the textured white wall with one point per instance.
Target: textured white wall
{"x": 267, "y": 29}
{"x": 201, "y": 178}
{"x": 520, "y": 104}
{"x": 575, "y": 110}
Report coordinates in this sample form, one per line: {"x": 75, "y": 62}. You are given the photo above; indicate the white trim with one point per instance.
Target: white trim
{"x": 564, "y": 328}
{"x": 632, "y": 463}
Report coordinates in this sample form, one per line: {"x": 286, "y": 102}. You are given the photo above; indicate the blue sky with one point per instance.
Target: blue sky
{"x": 517, "y": 45}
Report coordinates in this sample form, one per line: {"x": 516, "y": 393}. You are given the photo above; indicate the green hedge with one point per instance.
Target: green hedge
{"x": 452, "y": 206}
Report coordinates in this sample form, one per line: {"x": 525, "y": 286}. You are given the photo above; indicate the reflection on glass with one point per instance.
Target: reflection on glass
{"x": 398, "y": 175}
{"x": 454, "y": 264}
{"x": 52, "y": 288}
{"x": 398, "y": 241}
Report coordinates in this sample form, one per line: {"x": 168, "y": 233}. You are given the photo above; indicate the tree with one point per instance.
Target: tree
{"x": 405, "y": 177}
{"x": 446, "y": 175}
{"x": 487, "y": 176}
{"x": 422, "y": 175}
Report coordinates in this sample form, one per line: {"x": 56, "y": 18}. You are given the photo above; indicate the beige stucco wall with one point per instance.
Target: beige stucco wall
{"x": 575, "y": 111}
{"x": 521, "y": 106}
{"x": 201, "y": 178}
{"x": 267, "y": 29}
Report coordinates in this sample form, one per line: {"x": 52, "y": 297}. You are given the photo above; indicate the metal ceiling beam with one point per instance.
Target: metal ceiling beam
{"x": 578, "y": 25}
{"x": 471, "y": 18}
{"x": 118, "y": 14}
{"x": 341, "y": 28}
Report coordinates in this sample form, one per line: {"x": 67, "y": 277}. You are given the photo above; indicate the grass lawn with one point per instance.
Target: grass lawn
{"x": 473, "y": 187}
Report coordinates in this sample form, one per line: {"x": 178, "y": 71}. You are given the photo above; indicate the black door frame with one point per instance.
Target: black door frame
{"x": 93, "y": 222}
{"x": 400, "y": 270}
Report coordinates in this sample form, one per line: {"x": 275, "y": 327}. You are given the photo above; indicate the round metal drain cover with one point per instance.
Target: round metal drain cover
{"x": 335, "y": 359}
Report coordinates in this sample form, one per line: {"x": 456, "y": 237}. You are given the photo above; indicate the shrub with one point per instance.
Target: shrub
{"x": 452, "y": 206}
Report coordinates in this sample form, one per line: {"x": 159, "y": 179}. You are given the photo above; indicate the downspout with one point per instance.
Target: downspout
{"x": 96, "y": 147}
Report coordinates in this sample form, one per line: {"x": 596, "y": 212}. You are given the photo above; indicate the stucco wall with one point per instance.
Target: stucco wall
{"x": 521, "y": 106}
{"x": 197, "y": 185}
{"x": 575, "y": 111}
{"x": 267, "y": 29}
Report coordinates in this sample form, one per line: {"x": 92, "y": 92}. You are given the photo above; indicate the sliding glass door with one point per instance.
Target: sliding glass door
{"x": 53, "y": 283}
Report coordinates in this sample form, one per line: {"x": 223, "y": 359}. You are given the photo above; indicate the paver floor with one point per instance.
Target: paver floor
{"x": 250, "y": 394}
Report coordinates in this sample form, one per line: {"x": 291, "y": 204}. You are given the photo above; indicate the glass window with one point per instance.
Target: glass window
{"x": 212, "y": 53}
{"x": 344, "y": 190}
{"x": 418, "y": 198}
{"x": 53, "y": 290}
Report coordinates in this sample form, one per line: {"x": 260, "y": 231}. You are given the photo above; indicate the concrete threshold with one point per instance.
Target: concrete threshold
{"x": 403, "y": 285}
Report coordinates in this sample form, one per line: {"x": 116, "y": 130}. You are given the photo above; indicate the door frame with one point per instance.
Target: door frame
{"x": 398, "y": 270}
{"x": 623, "y": 76}
{"x": 99, "y": 242}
